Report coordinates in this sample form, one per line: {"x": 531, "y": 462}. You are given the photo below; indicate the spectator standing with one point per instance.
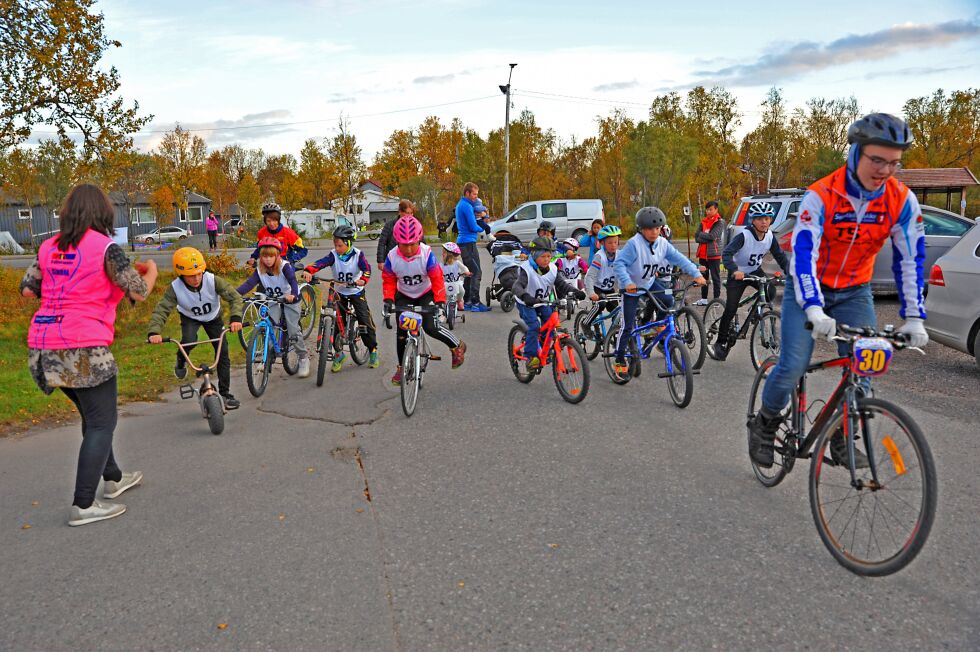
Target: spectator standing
{"x": 469, "y": 232}
{"x": 212, "y": 227}
{"x": 709, "y": 236}
{"x": 386, "y": 241}
{"x": 591, "y": 240}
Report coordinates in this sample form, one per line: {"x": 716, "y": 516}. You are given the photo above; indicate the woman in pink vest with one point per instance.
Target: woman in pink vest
{"x": 211, "y": 224}
{"x": 80, "y": 276}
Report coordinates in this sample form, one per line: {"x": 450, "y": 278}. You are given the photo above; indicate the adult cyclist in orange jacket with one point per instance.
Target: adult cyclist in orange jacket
{"x": 289, "y": 241}
{"x": 843, "y": 222}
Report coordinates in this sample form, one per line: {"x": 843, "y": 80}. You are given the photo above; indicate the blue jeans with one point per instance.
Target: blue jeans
{"x": 852, "y": 306}
{"x": 630, "y": 303}
{"x": 533, "y": 317}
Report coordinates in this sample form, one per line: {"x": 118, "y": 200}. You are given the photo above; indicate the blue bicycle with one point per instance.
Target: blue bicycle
{"x": 591, "y": 336}
{"x": 267, "y": 341}
{"x": 641, "y": 341}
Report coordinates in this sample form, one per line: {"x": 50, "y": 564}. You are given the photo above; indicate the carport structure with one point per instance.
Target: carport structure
{"x": 923, "y": 181}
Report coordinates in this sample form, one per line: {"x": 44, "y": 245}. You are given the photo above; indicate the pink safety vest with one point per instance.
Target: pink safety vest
{"x": 78, "y": 300}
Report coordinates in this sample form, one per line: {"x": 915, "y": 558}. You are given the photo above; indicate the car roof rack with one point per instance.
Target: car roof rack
{"x": 775, "y": 192}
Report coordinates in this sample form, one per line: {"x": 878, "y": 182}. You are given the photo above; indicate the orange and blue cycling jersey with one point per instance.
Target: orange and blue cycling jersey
{"x": 837, "y": 238}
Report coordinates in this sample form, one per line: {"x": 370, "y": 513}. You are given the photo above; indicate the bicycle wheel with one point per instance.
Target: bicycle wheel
{"x": 258, "y": 361}
{"x": 880, "y": 528}
{"x": 585, "y": 336}
{"x": 324, "y": 345}
{"x": 609, "y": 352}
{"x": 290, "y": 358}
{"x": 216, "y": 414}
{"x": 570, "y": 370}
{"x": 307, "y": 309}
{"x": 712, "y": 320}
{"x": 515, "y": 354}
{"x": 681, "y": 382}
{"x": 410, "y": 377}
{"x": 765, "y": 337}
{"x": 358, "y": 349}
{"x": 690, "y": 329}
{"x": 250, "y": 316}
{"x": 784, "y": 456}
{"x": 451, "y": 314}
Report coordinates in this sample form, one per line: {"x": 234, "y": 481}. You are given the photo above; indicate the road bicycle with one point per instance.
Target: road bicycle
{"x": 349, "y": 331}
{"x": 763, "y": 320}
{"x": 591, "y": 336}
{"x": 873, "y": 520}
{"x": 417, "y": 354}
{"x": 558, "y": 349}
{"x": 640, "y": 342}
{"x": 268, "y": 341}
{"x": 209, "y": 400}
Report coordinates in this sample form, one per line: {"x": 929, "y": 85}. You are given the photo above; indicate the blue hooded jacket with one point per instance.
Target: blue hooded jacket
{"x": 469, "y": 230}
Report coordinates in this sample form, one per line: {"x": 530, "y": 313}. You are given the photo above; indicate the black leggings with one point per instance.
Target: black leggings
{"x": 212, "y": 239}
{"x": 188, "y": 333}
{"x": 733, "y": 295}
{"x": 363, "y": 314}
{"x": 97, "y": 406}
{"x": 429, "y": 325}
{"x": 599, "y": 306}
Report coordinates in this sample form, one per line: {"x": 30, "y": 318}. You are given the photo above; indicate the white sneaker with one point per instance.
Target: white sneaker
{"x": 115, "y": 489}
{"x": 99, "y": 511}
{"x": 701, "y": 302}
{"x": 304, "y": 367}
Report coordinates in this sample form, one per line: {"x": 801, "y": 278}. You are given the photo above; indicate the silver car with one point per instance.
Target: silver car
{"x": 164, "y": 234}
{"x": 953, "y": 302}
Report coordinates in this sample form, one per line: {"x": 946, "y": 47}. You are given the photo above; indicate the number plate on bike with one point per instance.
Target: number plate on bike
{"x": 410, "y": 321}
{"x": 871, "y": 356}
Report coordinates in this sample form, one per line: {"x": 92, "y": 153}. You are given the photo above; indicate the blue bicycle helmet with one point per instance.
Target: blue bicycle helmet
{"x": 761, "y": 209}
{"x": 609, "y": 230}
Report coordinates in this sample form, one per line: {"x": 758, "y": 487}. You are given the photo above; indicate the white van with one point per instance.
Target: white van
{"x": 571, "y": 217}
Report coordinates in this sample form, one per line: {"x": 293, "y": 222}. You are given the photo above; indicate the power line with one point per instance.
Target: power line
{"x": 587, "y": 99}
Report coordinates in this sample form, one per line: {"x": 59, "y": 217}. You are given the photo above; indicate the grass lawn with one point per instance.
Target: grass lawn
{"x": 145, "y": 371}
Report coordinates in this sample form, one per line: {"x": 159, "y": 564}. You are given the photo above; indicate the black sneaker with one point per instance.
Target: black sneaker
{"x": 231, "y": 403}
{"x": 838, "y": 452}
{"x": 720, "y": 351}
{"x": 762, "y": 434}
{"x": 180, "y": 369}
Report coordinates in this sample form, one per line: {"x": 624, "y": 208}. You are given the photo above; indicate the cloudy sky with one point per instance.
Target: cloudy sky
{"x": 281, "y": 72}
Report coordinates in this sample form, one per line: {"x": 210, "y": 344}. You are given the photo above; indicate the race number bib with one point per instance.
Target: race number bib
{"x": 871, "y": 356}
{"x": 410, "y": 321}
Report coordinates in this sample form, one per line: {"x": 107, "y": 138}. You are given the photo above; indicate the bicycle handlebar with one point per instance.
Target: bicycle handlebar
{"x": 847, "y": 333}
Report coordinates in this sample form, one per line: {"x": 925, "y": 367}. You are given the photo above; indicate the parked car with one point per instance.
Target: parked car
{"x": 164, "y": 234}
{"x": 953, "y": 302}
{"x": 571, "y": 217}
{"x": 943, "y": 230}
{"x": 787, "y": 203}
{"x": 231, "y": 225}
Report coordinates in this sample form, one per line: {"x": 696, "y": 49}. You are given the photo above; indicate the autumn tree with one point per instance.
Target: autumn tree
{"x": 57, "y": 172}
{"x": 609, "y": 160}
{"x": 764, "y": 149}
{"x": 397, "y": 162}
{"x": 317, "y": 176}
{"x": 660, "y": 161}
{"x": 50, "y": 52}
{"x": 275, "y": 169}
{"x": 21, "y": 181}
{"x": 249, "y": 197}
{"x": 946, "y": 129}
{"x": 181, "y": 157}
{"x": 218, "y": 183}
{"x": 345, "y": 154}
{"x": 128, "y": 175}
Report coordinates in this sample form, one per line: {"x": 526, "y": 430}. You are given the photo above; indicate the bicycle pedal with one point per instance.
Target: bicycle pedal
{"x": 435, "y": 357}
{"x": 187, "y": 391}
{"x": 664, "y": 374}
{"x": 695, "y": 372}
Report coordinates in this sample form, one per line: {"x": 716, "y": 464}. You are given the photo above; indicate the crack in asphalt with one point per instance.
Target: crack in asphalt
{"x": 338, "y": 422}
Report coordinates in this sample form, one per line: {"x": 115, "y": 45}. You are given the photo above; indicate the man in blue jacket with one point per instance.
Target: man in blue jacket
{"x": 469, "y": 232}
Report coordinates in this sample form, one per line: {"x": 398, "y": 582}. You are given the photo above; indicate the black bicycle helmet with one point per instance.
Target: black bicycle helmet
{"x": 547, "y": 226}
{"x": 540, "y": 244}
{"x": 345, "y": 232}
{"x": 649, "y": 217}
{"x": 880, "y": 129}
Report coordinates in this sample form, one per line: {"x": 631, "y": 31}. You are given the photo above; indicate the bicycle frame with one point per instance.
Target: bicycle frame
{"x": 548, "y": 338}
{"x": 205, "y": 370}
{"x": 760, "y": 301}
{"x": 669, "y": 331}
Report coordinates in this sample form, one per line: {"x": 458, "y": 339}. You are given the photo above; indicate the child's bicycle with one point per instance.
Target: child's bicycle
{"x": 210, "y": 401}
{"x": 349, "y": 331}
{"x": 874, "y": 520}
{"x": 415, "y": 359}
{"x": 557, "y": 348}
{"x": 762, "y": 319}
{"x": 452, "y": 311}
{"x": 679, "y": 370}
{"x": 267, "y": 341}
{"x": 591, "y": 336}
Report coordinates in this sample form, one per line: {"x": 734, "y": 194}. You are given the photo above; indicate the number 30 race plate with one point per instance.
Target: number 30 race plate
{"x": 871, "y": 356}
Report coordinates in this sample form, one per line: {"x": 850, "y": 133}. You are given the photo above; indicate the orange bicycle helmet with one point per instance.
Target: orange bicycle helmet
{"x": 188, "y": 261}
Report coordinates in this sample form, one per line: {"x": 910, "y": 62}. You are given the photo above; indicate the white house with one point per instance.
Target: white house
{"x": 368, "y": 193}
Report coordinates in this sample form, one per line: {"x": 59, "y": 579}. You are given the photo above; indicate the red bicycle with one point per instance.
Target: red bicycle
{"x": 559, "y": 349}
{"x": 349, "y": 331}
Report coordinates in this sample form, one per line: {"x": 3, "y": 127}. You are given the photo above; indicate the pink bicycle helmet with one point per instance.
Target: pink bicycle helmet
{"x": 570, "y": 243}
{"x": 408, "y": 230}
{"x": 452, "y": 248}
{"x": 270, "y": 242}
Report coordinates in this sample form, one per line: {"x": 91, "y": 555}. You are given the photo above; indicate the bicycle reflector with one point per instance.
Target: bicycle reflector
{"x": 410, "y": 321}
{"x": 871, "y": 356}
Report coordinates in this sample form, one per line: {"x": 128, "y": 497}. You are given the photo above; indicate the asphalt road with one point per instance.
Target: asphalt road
{"x": 499, "y": 517}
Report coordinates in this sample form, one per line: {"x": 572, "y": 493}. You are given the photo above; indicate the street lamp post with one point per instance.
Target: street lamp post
{"x": 506, "y": 91}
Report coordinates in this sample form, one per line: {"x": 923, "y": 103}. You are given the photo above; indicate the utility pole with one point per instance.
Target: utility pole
{"x": 506, "y": 91}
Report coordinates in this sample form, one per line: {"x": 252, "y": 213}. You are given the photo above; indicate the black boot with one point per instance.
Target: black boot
{"x": 762, "y": 434}
{"x": 838, "y": 451}
{"x": 231, "y": 403}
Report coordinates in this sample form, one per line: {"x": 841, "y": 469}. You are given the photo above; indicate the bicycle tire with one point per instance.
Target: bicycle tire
{"x": 216, "y": 414}
{"x": 324, "y": 345}
{"x": 307, "y": 309}
{"x": 507, "y": 301}
{"x": 608, "y": 352}
{"x": 690, "y": 329}
{"x": 823, "y": 483}
{"x": 410, "y": 378}
{"x": 765, "y": 337}
{"x": 358, "y": 349}
{"x": 515, "y": 339}
{"x": 679, "y": 356}
{"x": 586, "y": 337}
{"x": 290, "y": 358}
{"x": 712, "y": 321}
{"x": 258, "y": 361}
{"x": 451, "y": 315}
{"x": 782, "y": 462}
{"x": 250, "y": 317}
{"x": 489, "y": 295}
{"x": 568, "y": 347}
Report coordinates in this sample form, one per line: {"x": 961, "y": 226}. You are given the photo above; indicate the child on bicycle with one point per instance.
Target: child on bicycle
{"x": 350, "y": 267}
{"x": 290, "y": 243}
{"x": 637, "y": 264}
{"x": 536, "y": 278}
{"x": 743, "y": 257}
{"x": 196, "y": 294}
{"x": 453, "y": 271}
{"x": 601, "y": 277}
{"x": 412, "y": 277}
{"x": 276, "y": 279}
{"x": 572, "y": 266}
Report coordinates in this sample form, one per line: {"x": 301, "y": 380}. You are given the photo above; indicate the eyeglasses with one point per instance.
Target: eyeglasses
{"x": 881, "y": 164}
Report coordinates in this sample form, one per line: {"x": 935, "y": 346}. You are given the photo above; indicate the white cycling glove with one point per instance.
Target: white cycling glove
{"x": 915, "y": 328}
{"x": 823, "y": 326}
